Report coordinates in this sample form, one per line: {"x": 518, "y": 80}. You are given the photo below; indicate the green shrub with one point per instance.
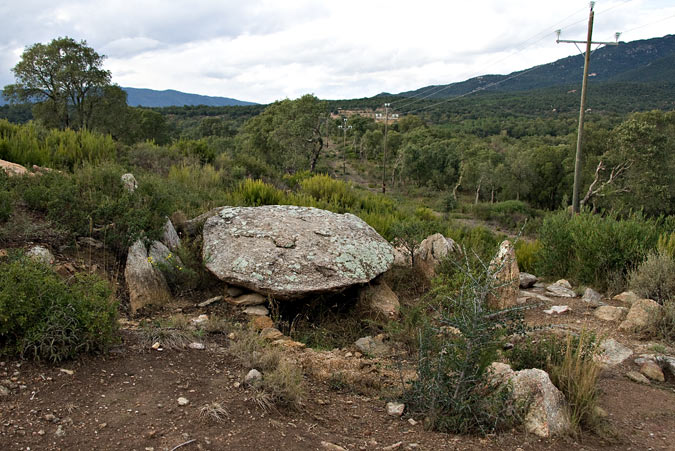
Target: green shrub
{"x": 479, "y": 240}
{"x": 453, "y": 388}
{"x": 588, "y": 248}
{"x": 666, "y": 244}
{"x": 654, "y": 278}
{"x": 93, "y": 200}
{"x": 6, "y": 198}
{"x": 254, "y": 193}
{"x": 571, "y": 364}
{"x": 42, "y": 317}
{"x": 663, "y": 325}
{"x": 510, "y": 214}
{"x": 528, "y": 255}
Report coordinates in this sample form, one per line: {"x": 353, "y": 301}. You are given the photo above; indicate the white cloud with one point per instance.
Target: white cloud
{"x": 266, "y": 50}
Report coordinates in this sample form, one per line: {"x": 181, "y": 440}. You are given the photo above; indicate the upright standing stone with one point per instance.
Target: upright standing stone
{"x": 504, "y": 267}
{"x": 145, "y": 282}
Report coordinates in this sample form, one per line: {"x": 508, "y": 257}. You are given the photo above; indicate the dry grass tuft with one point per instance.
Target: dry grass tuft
{"x": 214, "y": 412}
{"x": 577, "y": 377}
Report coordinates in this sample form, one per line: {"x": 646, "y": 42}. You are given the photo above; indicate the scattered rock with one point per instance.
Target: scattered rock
{"x": 146, "y": 283}
{"x": 667, "y": 362}
{"x": 13, "y": 169}
{"x": 271, "y": 334}
{"x": 233, "y": 291}
{"x": 88, "y": 241}
{"x": 156, "y": 345}
{"x": 197, "y": 345}
{"x": 432, "y": 251}
{"x": 253, "y": 376}
{"x": 4, "y": 391}
{"x": 332, "y": 446}
{"x": 160, "y": 254}
{"x": 247, "y": 300}
{"x": 526, "y": 280}
{"x": 210, "y": 301}
{"x": 379, "y": 300}
{"x": 558, "y": 309}
{"x": 370, "y": 346}
{"x": 412, "y": 422}
{"x": 626, "y": 296}
{"x": 547, "y": 412}
{"x": 261, "y": 323}
{"x": 66, "y": 371}
{"x": 288, "y": 343}
{"x": 641, "y": 314}
{"x": 653, "y": 371}
{"x": 183, "y": 401}
{"x": 129, "y": 182}
{"x": 290, "y": 252}
{"x": 395, "y": 409}
{"x": 402, "y": 257}
{"x": 257, "y": 310}
{"x": 600, "y": 412}
{"x": 613, "y": 353}
{"x": 200, "y": 320}
{"x": 562, "y": 289}
{"x": 504, "y": 266}
{"x": 609, "y": 313}
{"x": 60, "y": 432}
{"x": 41, "y": 254}
{"x": 592, "y": 297}
{"x": 169, "y": 236}
{"x": 637, "y": 377}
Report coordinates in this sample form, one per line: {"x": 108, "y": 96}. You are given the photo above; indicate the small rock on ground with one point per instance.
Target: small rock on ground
{"x": 527, "y": 280}
{"x": 613, "y": 352}
{"x": 395, "y": 409}
{"x": 653, "y": 371}
{"x": 557, "y": 309}
{"x": 637, "y": 377}
{"x": 609, "y": 313}
{"x": 183, "y": 401}
{"x": 253, "y": 376}
{"x": 257, "y": 310}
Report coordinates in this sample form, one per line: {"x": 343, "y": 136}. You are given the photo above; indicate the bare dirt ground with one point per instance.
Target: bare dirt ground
{"x": 128, "y": 400}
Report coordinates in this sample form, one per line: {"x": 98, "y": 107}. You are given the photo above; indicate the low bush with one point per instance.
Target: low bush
{"x": 587, "y": 247}
{"x": 6, "y": 198}
{"x": 654, "y": 278}
{"x": 510, "y": 214}
{"x": 42, "y": 317}
{"x": 254, "y": 193}
{"x": 663, "y": 325}
{"x": 453, "y": 388}
{"x": 572, "y": 367}
{"x": 528, "y": 254}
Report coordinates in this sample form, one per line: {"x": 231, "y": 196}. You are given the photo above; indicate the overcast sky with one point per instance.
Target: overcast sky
{"x": 265, "y": 50}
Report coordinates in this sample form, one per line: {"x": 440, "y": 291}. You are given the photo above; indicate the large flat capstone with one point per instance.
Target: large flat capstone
{"x": 290, "y": 252}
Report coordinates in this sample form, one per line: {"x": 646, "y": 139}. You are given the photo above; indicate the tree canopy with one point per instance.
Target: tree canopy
{"x": 64, "y": 78}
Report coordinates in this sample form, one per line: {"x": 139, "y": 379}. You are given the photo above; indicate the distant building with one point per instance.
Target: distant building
{"x": 379, "y": 115}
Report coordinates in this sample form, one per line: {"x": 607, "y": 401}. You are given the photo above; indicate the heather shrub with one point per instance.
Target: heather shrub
{"x": 654, "y": 278}
{"x": 43, "y": 317}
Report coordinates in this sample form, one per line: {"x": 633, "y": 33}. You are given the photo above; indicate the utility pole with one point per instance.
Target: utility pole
{"x": 384, "y": 155}
{"x": 344, "y": 128}
{"x": 582, "y": 108}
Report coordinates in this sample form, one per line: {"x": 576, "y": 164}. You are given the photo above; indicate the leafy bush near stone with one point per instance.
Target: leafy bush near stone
{"x": 587, "y": 248}
{"x": 6, "y": 198}
{"x": 42, "y": 317}
{"x": 453, "y": 388}
{"x": 654, "y": 278}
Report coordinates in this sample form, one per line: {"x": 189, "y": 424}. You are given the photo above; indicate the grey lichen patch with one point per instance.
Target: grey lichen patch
{"x": 240, "y": 265}
{"x": 290, "y": 251}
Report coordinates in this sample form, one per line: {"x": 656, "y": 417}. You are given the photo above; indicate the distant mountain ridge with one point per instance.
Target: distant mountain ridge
{"x": 153, "y": 98}
{"x": 170, "y": 97}
{"x": 647, "y": 60}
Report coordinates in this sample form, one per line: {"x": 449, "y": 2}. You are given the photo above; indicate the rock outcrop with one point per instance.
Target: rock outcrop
{"x": 546, "y": 414}
{"x": 170, "y": 237}
{"x": 378, "y": 300}
{"x": 290, "y": 252}
{"x": 505, "y": 269}
{"x": 641, "y": 314}
{"x": 527, "y": 280}
{"x": 41, "y": 254}
{"x": 129, "y": 182}
{"x": 561, "y": 288}
{"x": 145, "y": 282}
{"x": 12, "y": 169}
{"x": 432, "y": 251}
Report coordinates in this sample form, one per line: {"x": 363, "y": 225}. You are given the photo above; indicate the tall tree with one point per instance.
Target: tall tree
{"x": 63, "y": 77}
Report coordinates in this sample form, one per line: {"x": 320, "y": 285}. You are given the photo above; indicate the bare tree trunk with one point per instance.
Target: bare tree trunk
{"x": 459, "y": 183}
{"x": 478, "y": 191}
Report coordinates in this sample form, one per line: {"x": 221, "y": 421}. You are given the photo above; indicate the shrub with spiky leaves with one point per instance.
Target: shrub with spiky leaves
{"x": 456, "y": 348}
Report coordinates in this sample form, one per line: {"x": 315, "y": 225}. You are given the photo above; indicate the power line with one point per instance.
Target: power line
{"x": 522, "y": 46}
